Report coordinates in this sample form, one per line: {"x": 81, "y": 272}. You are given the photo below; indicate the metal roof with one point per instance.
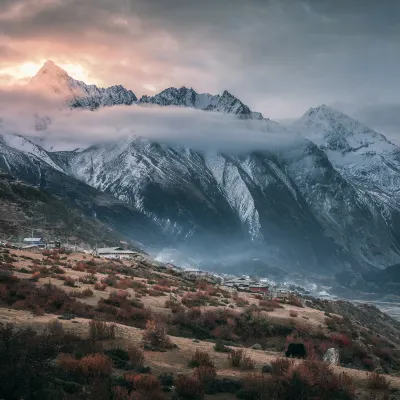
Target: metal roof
{"x": 33, "y": 239}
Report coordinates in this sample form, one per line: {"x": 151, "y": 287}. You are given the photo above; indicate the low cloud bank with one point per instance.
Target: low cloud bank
{"x": 43, "y": 118}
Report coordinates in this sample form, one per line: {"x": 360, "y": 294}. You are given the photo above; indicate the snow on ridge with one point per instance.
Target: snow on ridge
{"x": 24, "y": 145}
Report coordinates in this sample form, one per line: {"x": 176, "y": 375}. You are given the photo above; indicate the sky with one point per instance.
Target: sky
{"x": 280, "y": 57}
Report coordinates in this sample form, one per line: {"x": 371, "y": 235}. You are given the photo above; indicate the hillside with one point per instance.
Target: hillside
{"x": 187, "y": 348}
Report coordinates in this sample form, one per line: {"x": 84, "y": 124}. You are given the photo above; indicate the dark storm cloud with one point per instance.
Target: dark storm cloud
{"x": 278, "y": 56}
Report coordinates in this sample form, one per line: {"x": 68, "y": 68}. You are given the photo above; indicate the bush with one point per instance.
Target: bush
{"x": 88, "y": 279}
{"x": 235, "y": 357}
{"x": 96, "y": 365}
{"x": 377, "y": 382}
{"x": 166, "y": 379}
{"x": 241, "y": 302}
{"x": 309, "y": 380}
{"x": 69, "y": 281}
{"x": 146, "y": 383}
{"x": 247, "y": 363}
{"x": 25, "y": 362}
{"x": 100, "y": 286}
{"x": 100, "y": 330}
{"x": 155, "y": 336}
{"x": 189, "y": 388}
{"x": 92, "y": 365}
{"x": 293, "y": 313}
{"x": 206, "y": 375}
{"x": 295, "y": 301}
{"x": 238, "y": 358}
{"x": 221, "y": 347}
{"x": 196, "y": 299}
{"x": 200, "y": 359}
{"x": 280, "y": 366}
{"x": 269, "y": 305}
{"x": 136, "y": 356}
{"x": 173, "y": 305}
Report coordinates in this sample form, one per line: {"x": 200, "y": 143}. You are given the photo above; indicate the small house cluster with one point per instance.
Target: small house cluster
{"x": 115, "y": 253}
{"x": 245, "y": 284}
{"x": 39, "y": 243}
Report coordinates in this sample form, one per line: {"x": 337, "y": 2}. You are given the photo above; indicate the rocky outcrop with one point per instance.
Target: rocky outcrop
{"x": 332, "y": 356}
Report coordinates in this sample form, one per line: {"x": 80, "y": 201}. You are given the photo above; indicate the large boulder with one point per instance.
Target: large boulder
{"x": 332, "y": 356}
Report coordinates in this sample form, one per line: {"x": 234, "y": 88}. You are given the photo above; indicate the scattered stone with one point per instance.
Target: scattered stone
{"x": 332, "y": 356}
{"x": 256, "y": 347}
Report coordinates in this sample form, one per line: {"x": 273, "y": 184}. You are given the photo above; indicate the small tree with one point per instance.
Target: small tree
{"x": 155, "y": 336}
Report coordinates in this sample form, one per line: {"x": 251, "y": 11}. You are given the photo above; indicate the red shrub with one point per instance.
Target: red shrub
{"x": 146, "y": 383}
{"x": 201, "y": 359}
{"x": 155, "y": 335}
{"x": 68, "y": 363}
{"x": 100, "y": 330}
{"x": 341, "y": 339}
{"x": 174, "y": 306}
{"x": 96, "y": 365}
{"x": 196, "y": 299}
{"x": 308, "y": 380}
{"x": 189, "y": 388}
{"x": 281, "y": 365}
{"x": 205, "y": 374}
{"x": 269, "y": 305}
{"x": 160, "y": 288}
{"x": 69, "y": 281}
{"x": 100, "y": 286}
{"x": 79, "y": 266}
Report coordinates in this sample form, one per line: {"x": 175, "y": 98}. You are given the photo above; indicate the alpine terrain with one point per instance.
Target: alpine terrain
{"x": 327, "y": 204}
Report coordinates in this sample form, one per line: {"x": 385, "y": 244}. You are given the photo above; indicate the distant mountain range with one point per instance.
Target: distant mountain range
{"x": 328, "y": 203}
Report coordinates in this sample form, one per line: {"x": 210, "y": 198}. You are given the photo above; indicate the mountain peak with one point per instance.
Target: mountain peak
{"x": 53, "y": 80}
{"x": 51, "y": 69}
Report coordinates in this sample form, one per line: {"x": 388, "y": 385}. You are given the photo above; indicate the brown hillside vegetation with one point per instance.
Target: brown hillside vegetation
{"x": 78, "y": 327}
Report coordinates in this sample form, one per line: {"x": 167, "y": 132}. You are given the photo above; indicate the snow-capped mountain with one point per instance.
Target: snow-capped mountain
{"x": 55, "y": 81}
{"x": 226, "y": 103}
{"x": 326, "y": 203}
{"x": 363, "y": 156}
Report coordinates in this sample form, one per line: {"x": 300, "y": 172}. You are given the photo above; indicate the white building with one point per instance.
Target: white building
{"x": 115, "y": 252}
{"x": 33, "y": 242}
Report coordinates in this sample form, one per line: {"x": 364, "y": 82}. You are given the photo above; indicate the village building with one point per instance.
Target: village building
{"x": 259, "y": 288}
{"x": 115, "y": 252}
{"x": 33, "y": 242}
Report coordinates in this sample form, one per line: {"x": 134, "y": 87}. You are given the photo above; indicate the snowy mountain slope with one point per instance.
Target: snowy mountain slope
{"x": 282, "y": 205}
{"x": 53, "y": 80}
{"x": 31, "y": 164}
{"x": 364, "y": 157}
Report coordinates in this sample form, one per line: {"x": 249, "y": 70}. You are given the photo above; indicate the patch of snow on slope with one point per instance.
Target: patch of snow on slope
{"x": 26, "y": 146}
